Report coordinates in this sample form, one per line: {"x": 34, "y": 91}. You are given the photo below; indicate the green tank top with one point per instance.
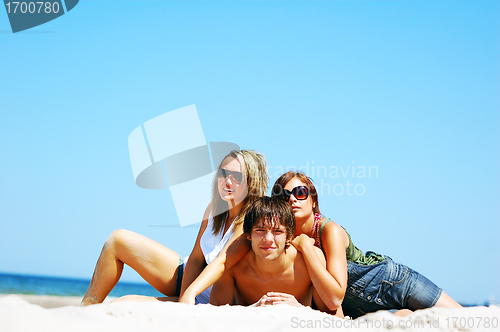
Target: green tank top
{"x": 353, "y": 253}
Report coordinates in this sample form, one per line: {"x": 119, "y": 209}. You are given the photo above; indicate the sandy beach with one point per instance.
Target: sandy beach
{"x": 51, "y": 313}
{"x": 51, "y": 302}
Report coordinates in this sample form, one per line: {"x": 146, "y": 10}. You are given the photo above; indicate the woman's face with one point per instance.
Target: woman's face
{"x": 301, "y": 208}
{"x": 231, "y": 189}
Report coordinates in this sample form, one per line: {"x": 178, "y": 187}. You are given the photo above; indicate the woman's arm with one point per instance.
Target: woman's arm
{"x": 196, "y": 262}
{"x": 320, "y": 304}
{"x": 330, "y": 283}
{"x": 234, "y": 250}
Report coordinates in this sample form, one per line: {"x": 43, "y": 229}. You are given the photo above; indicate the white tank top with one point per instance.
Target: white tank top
{"x": 211, "y": 245}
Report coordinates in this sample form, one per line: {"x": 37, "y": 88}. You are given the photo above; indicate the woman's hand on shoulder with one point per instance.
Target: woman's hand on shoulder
{"x": 302, "y": 241}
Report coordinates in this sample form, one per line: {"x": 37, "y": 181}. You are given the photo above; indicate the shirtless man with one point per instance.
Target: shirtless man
{"x": 273, "y": 272}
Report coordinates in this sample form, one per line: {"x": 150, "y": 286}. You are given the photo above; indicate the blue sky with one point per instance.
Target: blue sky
{"x": 409, "y": 88}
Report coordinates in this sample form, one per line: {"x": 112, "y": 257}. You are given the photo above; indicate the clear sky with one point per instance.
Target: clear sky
{"x": 408, "y": 88}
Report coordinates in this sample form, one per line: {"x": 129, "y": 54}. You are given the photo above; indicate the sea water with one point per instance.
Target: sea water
{"x": 59, "y": 286}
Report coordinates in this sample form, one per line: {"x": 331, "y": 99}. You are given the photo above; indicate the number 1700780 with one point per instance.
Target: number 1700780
{"x": 32, "y": 7}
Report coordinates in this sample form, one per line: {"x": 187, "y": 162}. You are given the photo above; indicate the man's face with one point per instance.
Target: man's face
{"x": 268, "y": 240}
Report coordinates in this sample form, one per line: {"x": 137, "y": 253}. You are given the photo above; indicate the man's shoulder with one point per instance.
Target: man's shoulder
{"x": 300, "y": 257}
{"x": 295, "y": 256}
{"x": 244, "y": 262}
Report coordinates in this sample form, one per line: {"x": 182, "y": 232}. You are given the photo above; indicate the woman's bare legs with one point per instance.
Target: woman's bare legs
{"x": 403, "y": 312}
{"x": 154, "y": 262}
{"x": 445, "y": 301}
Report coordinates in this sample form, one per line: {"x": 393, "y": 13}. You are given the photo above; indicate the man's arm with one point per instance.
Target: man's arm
{"x": 223, "y": 290}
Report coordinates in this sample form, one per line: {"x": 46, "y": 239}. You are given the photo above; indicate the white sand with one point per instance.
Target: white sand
{"x": 17, "y": 314}
{"x": 49, "y": 302}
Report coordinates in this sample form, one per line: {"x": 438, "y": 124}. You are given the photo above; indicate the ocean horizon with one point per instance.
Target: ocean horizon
{"x": 27, "y": 284}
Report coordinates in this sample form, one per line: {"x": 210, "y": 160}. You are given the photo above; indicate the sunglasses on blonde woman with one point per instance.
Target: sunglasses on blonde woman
{"x": 236, "y": 177}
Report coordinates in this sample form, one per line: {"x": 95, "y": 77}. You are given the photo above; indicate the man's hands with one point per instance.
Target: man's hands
{"x": 273, "y": 298}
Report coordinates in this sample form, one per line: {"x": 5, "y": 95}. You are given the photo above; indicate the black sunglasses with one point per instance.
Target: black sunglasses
{"x": 300, "y": 193}
{"x": 236, "y": 177}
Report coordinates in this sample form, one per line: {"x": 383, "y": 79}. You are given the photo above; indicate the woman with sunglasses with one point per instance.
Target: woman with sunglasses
{"x": 364, "y": 282}
{"x": 240, "y": 179}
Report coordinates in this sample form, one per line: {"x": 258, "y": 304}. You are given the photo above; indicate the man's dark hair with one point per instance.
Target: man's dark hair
{"x": 270, "y": 211}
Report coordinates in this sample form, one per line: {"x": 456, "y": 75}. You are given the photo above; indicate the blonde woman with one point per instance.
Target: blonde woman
{"x": 240, "y": 179}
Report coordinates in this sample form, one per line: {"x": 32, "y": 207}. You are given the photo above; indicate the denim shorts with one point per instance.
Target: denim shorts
{"x": 385, "y": 286}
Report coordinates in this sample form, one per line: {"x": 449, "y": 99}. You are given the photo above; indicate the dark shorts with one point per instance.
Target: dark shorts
{"x": 178, "y": 281}
{"x": 385, "y": 286}
{"x": 204, "y": 297}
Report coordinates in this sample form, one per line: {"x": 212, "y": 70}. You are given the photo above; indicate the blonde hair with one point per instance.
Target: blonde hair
{"x": 254, "y": 169}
